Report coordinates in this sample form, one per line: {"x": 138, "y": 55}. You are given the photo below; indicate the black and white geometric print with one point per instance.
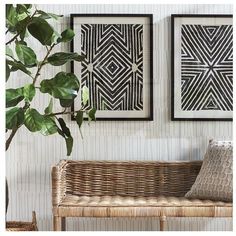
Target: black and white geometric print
{"x": 113, "y": 67}
{"x": 206, "y": 67}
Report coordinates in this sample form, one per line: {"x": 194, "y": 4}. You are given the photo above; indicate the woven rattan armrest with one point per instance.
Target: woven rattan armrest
{"x": 58, "y": 182}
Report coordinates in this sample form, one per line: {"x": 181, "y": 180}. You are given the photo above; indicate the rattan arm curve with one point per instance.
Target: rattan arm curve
{"x": 58, "y": 183}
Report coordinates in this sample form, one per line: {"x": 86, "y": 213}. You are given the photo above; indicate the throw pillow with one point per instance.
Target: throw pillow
{"x": 215, "y": 179}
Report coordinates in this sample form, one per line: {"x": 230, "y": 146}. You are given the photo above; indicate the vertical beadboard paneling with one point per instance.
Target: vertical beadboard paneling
{"x": 31, "y": 156}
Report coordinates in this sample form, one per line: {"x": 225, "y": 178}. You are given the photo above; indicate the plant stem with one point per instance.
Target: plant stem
{"x": 61, "y": 113}
{"x": 11, "y": 40}
{"x": 43, "y": 63}
{"x": 8, "y": 142}
{"x": 66, "y": 112}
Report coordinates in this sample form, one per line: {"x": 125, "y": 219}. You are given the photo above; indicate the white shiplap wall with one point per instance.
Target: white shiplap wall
{"x": 31, "y": 156}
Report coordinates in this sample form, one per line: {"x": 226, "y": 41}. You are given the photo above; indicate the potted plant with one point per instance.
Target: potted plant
{"x": 25, "y": 21}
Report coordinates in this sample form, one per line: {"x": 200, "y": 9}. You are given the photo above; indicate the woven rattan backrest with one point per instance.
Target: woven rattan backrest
{"x": 97, "y": 178}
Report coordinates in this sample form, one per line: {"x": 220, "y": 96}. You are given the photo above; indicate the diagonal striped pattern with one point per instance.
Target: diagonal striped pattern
{"x": 113, "y": 68}
{"x": 207, "y": 67}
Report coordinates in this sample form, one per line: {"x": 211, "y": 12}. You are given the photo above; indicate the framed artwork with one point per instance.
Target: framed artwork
{"x": 117, "y": 69}
{"x": 202, "y": 67}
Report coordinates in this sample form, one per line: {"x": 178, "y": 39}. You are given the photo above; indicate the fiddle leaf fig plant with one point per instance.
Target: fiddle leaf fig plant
{"x": 25, "y": 21}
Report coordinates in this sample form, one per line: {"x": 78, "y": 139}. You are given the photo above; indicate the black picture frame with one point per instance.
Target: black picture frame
{"x": 173, "y": 43}
{"x": 106, "y": 16}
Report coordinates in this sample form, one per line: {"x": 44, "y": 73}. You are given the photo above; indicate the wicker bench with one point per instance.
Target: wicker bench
{"x": 128, "y": 189}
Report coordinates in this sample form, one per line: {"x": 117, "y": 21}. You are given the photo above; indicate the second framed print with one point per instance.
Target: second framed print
{"x": 202, "y": 67}
{"x": 117, "y": 69}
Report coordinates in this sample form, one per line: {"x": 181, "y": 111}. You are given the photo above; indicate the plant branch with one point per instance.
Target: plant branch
{"x": 43, "y": 62}
{"x": 11, "y": 40}
{"x": 8, "y": 142}
{"x": 62, "y": 113}
{"x": 66, "y": 112}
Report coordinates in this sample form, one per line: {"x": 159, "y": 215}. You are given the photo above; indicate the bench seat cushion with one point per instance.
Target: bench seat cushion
{"x": 112, "y": 206}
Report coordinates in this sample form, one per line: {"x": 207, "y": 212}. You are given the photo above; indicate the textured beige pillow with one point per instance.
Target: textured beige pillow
{"x": 215, "y": 179}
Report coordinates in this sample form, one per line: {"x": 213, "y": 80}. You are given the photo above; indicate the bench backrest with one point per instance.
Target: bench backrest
{"x": 127, "y": 178}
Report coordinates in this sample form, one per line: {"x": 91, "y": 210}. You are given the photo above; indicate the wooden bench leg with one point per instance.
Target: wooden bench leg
{"x": 59, "y": 223}
{"x": 162, "y": 223}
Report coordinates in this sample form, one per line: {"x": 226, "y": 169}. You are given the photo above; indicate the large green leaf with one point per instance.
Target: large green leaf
{"x": 64, "y": 128}
{"x": 46, "y": 15}
{"x": 29, "y": 92}
{"x": 48, "y": 126}
{"x": 66, "y": 36}
{"x": 10, "y": 11}
{"x": 79, "y": 118}
{"x": 91, "y": 114}
{"x": 48, "y": 109}
{"x": 69, "y": 145}
{"x": 28, "y": 6}
{"x": 14, "y": 117}
{"x": 85, "y": 95}
{"x": 41, "y": 30}
{"x": 21, "y": 27}
{"x": 22, "y": 8}
{"x": 62, "y": 86}
{"x": 33, "y": 120}
{"x": 17, "y": 65}
{"x": 9, "y": 52}
{"x": 14, "y": 96}
{"x": 60, "y": 132}
{"x": 66, "y": 102}
{"x": 11, "y": 17}
{"x": 22, "y": 12}
{"x": 8, "y": 71}
{"x": 65, "y": 132}
{"x": 17, "y": 18}
{"x": 60, "y": 58}
{"x": 26, "y": 55}
{"x": 22, "y": 16}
